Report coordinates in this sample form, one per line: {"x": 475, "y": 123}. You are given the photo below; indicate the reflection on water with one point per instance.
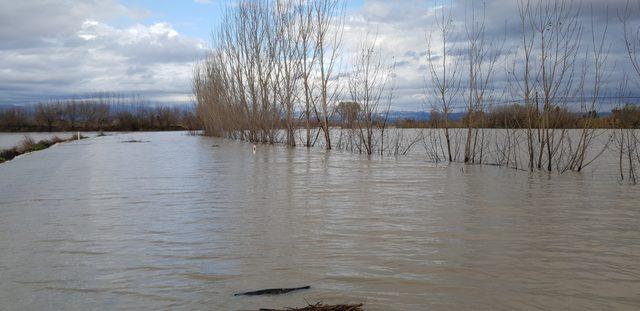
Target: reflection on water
{"x": 176, "y": 223}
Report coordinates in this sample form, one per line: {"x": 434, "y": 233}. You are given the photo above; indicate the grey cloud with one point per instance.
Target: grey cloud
{"x": 403, "y": 27}
{"x": 56, "y": 47}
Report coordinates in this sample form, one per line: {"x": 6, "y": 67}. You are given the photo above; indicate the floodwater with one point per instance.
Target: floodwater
{"x": 176, "y": 223}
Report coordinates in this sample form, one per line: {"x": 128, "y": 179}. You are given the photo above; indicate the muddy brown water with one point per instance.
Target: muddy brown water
{"x": 178, "y": 224}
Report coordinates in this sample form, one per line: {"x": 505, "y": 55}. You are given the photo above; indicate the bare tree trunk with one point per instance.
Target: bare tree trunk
{"x": 327, "y": 14}
{"x": 445, "y": 80}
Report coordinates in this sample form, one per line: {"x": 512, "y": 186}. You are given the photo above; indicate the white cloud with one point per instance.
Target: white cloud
{"x": 67, "y": 48}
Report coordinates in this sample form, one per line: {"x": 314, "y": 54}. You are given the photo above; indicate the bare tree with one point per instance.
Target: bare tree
{"x": 308, "y": 61}
{"x": 626, "y": 139}
{"x": 596, "y": 61}
{"x": 626, "y": 142}
{"x": 289, "y": 62}
{"x": 523, "y": 79}
{"x": 483, "y": 54}
{"x": 631, "y": 36}
{"x": 444, "y": 74}
{"x": 328, "y": 21}
{"x": 368, "y": 82}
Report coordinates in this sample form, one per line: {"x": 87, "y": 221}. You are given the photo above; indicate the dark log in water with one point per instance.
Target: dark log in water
{"x": 272, "y": 291}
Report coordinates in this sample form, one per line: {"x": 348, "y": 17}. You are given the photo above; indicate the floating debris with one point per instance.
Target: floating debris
{"x": 135, "y": 141}
{"x": 321, "y": 307}
{"x": 272, "y": 291}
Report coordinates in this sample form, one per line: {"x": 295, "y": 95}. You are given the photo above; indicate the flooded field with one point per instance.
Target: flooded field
{"x": 184, "y": 222}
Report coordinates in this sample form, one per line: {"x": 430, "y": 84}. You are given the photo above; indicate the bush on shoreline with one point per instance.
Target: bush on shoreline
{"x": 28, "y": 144}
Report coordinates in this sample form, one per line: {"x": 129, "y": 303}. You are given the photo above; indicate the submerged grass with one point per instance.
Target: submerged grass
{"x": 28, "y": 144}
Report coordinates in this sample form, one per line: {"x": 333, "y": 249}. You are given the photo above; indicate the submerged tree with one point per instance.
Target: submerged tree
{"x": 482, "y": 57}
{"x": 443, "y": 71}
{"x": 369, "y": 82}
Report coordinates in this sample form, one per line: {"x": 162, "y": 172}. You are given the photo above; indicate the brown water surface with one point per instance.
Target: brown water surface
{"x": 176, "y": 223}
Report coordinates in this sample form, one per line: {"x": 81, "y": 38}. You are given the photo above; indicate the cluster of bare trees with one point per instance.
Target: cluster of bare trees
{"x": 274, "y": 74}
{"x": 103, "y": 112}
{"x": 561, "y": 61}
{"x": 271, "y": 59}
{"x": 551, "y": 43}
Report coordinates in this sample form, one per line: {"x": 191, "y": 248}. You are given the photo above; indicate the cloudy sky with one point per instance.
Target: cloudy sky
{"x": 59, "y": 48}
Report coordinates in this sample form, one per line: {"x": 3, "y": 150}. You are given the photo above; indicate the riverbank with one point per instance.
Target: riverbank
{"x": 28, "y": 145}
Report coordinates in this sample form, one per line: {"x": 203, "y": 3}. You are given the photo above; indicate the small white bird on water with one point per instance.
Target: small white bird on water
{"x": 254, "y": 148}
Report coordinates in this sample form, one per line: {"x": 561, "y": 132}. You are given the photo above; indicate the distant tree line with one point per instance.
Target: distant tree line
{"x": 516, "y": 116}
{"x": 102, "y": 114}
